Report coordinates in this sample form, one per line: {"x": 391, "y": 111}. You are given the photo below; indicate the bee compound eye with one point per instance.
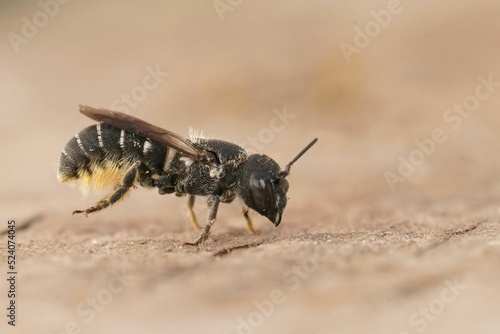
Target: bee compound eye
{"x": 262, "y": 193}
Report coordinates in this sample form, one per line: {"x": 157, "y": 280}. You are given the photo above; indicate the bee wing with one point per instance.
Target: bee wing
{"x": 139, "y": 127}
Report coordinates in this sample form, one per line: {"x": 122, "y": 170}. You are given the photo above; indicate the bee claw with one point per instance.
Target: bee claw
{"x": 206, "y": 230}
{"x": 202, "y": 238}
{"x": 83, "y": 212}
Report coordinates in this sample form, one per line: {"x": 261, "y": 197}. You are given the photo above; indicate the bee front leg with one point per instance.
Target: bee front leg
{"x": 213, "y": 203}
{"x": 124, "y": 187}
{"x": 250, "y": 227}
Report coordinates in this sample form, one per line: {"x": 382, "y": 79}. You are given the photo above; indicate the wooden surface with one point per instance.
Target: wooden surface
{"x": 353, "y": 253}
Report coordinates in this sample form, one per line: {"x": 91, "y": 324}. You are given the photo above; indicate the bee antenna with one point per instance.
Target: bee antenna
{"x": 286, "y": 172}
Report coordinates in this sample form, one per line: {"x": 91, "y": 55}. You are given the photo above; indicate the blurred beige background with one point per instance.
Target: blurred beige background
{"x": 228, "y": 67}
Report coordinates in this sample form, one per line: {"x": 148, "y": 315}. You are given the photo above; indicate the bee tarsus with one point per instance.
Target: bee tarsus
{"x": 213, "y": 203}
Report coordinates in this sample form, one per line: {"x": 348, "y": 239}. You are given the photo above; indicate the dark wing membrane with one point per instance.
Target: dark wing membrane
{"x": 139, "y": 127}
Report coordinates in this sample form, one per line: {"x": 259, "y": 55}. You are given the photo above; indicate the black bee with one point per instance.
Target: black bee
{"x": 122, "y": 150}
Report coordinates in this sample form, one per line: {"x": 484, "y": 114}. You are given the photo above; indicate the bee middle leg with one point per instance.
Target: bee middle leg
{"x": 213, "y": 203}
{"x": 123, "y": 188}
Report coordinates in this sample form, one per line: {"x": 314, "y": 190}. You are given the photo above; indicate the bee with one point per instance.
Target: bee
{"x": 122, "y": 150}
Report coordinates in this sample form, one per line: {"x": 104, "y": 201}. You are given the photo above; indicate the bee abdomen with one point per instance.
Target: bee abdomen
{"x": 75, "y": 158}
{"x": 68, "y": 168}
{"x": 95, "y": 157}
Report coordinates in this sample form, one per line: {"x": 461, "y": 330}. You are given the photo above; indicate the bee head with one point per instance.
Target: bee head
{"x": 264, "y": 185}
{"x": 264, "y": 190}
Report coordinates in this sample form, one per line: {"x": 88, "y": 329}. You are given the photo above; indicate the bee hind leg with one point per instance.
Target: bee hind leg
{"x": 123, "y": 188}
